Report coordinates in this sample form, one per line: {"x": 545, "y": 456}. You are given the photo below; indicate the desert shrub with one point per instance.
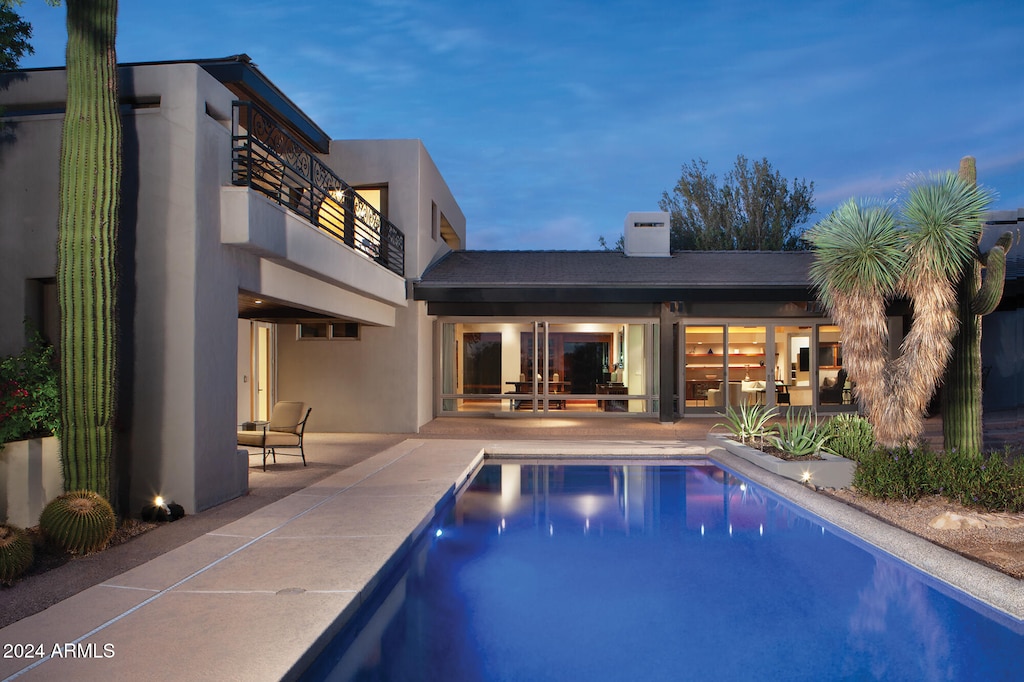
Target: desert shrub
{"x": 991, "y": 482}
{"x": 901, "y": 474}
{"x": 29, "y": 404}
{"x": 849, "y": 435}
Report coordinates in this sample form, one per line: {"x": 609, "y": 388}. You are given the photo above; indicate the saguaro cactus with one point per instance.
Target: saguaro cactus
{"x": 977, "y": 296}
{"x": 90, "y": 177}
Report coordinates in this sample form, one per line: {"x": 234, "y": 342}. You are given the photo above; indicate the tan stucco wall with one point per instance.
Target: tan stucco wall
{"x": 383, "y": 381}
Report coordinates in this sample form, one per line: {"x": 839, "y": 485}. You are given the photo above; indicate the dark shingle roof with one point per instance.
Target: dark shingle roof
{"x": 697, "y": 269}
{"x": 610, "y": 276}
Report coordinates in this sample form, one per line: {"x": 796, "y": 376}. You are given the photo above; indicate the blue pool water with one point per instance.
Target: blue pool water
{"x": 548, "y": 571}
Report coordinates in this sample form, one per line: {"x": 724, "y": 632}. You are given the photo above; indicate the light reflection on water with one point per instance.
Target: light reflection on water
{"x": 556, "y": 572}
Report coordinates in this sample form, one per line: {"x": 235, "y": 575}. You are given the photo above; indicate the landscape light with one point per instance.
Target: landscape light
{"x": 161, "y": 510}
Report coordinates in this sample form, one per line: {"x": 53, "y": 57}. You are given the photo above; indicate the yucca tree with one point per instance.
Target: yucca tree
{"x": 868, "y": 255}
{"x": 89, "y": 193}
{"x": 859, "y": 255}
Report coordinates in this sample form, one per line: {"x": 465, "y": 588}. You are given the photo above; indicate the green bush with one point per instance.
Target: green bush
{"x": 849, "y": 436}
{"x": 29, "y": 403}
{"x": 990, "y": 482}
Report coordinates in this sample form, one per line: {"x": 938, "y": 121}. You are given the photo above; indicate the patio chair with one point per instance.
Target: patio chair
{"x": 284, "y": 430}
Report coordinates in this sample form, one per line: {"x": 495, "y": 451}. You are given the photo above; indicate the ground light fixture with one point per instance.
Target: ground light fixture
{"x": 161, "y": 510}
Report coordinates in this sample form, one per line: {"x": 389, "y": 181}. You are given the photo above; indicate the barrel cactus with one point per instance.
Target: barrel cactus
{"x": 80, "y": 521}
{"x": 16, "y": 552}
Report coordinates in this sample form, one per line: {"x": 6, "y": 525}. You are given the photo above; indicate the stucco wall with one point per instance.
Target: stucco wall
{"x": 28, "y": 204}
{"x": 182, "y": 362}
{"x": 382, "y": 381}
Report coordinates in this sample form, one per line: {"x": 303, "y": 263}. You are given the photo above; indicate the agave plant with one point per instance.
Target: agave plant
{"x": 799, "y": 436}
{"x": 749, "y": 423}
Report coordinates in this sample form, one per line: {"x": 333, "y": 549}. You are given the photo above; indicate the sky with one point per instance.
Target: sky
{"x": 551, "y": 120}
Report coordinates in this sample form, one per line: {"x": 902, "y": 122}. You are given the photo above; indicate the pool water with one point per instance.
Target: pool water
{"x": 541, "y": 571}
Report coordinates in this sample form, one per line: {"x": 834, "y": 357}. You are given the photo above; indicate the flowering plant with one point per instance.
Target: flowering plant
{"x": 29, "y": 398}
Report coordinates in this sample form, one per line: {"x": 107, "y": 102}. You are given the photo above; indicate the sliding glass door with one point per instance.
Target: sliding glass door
{"x": 599, "y": 367}
{"x": 797, "y": 364}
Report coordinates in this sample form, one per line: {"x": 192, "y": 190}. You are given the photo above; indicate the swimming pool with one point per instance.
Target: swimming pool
{"x": 553, "y": 571}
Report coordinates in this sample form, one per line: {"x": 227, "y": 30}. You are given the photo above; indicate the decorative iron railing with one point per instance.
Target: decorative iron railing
{"x": 268, "y": 159}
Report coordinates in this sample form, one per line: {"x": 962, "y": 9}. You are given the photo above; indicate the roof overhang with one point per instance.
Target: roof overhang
{"x": 596, "y": 294}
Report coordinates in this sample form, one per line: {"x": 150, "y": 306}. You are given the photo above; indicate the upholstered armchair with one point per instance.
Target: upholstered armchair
{"x": 285, "y": 429}
{"x": 833, "y": 394}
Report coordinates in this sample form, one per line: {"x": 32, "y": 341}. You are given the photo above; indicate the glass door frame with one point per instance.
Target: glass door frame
{"x": 769, "y": 324}
{"x": 263, "y": 369}
{"x": 541, "y": 401}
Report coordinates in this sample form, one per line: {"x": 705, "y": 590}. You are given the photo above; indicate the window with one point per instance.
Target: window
{"x": 376, "y": 196}
{"x": 448, "y": 232}
{"x": 345, "y": 330}
{"x": 312, "y": 330}
{"x": 327, "y": 330}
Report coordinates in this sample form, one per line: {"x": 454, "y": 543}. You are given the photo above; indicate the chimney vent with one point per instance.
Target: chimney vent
{"x": 647, "y": 234}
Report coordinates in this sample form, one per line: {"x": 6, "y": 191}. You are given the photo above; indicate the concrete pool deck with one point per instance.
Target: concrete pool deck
{"x": 252, "y": 598}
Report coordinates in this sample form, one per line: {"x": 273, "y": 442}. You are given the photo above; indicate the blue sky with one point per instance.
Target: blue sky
{"x": 551, "y": 120}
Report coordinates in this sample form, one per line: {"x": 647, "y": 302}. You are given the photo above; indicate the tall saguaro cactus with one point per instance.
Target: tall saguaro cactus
{"x": 977, "y": 296}
{"x": 90, "y": 177}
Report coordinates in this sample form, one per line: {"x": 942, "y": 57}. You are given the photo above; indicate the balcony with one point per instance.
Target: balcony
{"x": 267, "y": 158}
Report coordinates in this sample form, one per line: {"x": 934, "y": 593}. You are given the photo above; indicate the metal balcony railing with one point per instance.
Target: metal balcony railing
{"x": 268, "y": 159}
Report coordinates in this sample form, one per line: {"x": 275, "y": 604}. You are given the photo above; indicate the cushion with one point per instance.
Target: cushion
{"x": 286, "y": 416}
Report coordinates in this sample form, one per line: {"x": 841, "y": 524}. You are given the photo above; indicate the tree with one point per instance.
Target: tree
{"x": 754, "y": 209}
{"x": 14, "y": 37}
{"x": 866, "y": 255}
{"x": 620, "y": 244}
{"x": 976, "y": 296}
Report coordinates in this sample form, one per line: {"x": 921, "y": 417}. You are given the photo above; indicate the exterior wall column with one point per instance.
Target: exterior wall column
{"x": 666, "y": 365}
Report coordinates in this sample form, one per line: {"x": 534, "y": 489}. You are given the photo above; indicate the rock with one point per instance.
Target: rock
{"x": 1003, "y": 520}
{"x": 953, "y": 521}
